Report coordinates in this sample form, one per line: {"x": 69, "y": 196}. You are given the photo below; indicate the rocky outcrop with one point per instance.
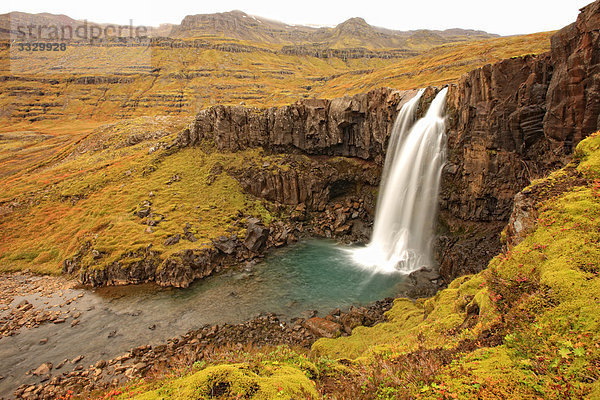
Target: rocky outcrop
{"x": 345, "y": 54}
{"x": 522, "y": 220}
{"x": 146, "y": 265}
{"x": 512, "y": 122}
{"x": 356, "y": 126}
{"x": 310, "y": 181}
{"x": 495, "y": 137}
{"x": 573, "y": 99}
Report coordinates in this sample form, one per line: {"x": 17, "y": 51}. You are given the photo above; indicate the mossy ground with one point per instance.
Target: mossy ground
{"x": 526, "y": 327}
{"x": 90, "y": 194}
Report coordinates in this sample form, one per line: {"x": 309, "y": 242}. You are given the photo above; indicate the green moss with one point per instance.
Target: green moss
{"x": 235, "y": 381}
{"x": 589, "y": 156}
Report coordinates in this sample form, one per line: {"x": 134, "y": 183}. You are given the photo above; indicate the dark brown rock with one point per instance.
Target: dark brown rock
{"x": 349, "y": 126}
{"x": 323, "y": 328}
{"x": 171, "y": 240}
{"x": 573, "y": 99}
{"x": 256, "y": 236}
{"x": 225, "y": 244}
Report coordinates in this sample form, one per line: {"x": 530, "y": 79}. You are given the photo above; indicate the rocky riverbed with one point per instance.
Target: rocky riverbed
{"x": 28, "y": 301}
{"x": 150, "y": 361}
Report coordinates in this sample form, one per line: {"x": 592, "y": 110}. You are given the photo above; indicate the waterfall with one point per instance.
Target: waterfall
{"x": 408, "y": 194}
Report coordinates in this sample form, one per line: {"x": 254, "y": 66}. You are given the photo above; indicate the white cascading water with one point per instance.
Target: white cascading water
{"x": 408, "y": 194}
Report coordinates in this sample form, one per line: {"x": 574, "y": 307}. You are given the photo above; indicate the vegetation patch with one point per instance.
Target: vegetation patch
{"x": 526, "y": 327}
{"x": 123, "y": 188}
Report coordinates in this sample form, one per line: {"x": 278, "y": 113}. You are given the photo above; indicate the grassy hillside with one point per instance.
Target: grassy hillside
{"x": 90, "y": 192}
{"x": 526, "y": 327}
{"x": 125, "y": 83}
{"x": 441, "y": 65}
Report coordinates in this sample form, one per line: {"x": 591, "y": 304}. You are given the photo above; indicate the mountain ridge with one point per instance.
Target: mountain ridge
{"x": 352, "y": 33}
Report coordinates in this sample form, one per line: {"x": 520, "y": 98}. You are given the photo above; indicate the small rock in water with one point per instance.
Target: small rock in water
{"x": 309, "y": 314}
{"x": 77, "y": 359}
{"x": 60, "y": 364}
{"x": 112, "y": 334}
{"x": 43, "y": 369}
{"x": 152, "y": 327}
{"x": 44, "y": 341}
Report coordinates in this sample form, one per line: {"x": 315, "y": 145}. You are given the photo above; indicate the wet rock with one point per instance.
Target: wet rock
{"x": 424, "y": 282}
{"x": 225, "y": 244}
{"x": 352, "y": 319}
{"x": 77, "y": 359}
{"x": 43, "y": 369}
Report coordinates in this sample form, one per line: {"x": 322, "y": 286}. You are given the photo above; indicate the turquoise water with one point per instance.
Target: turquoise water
{"x": 311, "y": 275}
{"x": 321, "y": 275}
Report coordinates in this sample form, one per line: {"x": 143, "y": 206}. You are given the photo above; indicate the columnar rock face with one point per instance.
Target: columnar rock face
{"x": 517, "y": 119}
{"x": 573, "y": 99}
{"x": 496, "y": 137}
{"x": 355, "y": 126}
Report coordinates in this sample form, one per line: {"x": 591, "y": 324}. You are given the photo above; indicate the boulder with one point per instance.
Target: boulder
{"x": 225, "y": 244}
{"x": 256, "y": 236}
{"x": 323, "y": 328}
{"x": 43, "y": 369}
{"x": 174, "y": 239}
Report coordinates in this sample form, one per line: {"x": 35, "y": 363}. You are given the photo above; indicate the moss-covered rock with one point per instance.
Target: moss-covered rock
{"x": 235, "y": 381}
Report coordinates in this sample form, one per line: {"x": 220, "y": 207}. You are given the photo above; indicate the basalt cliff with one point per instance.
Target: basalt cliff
{"x": 508, "y": 123}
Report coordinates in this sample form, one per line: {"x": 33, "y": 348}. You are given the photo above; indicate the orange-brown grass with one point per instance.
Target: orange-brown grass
{"x": 92, "y": 192}
{"x": 185, "y": 80}
{"x": 441, "y": 65}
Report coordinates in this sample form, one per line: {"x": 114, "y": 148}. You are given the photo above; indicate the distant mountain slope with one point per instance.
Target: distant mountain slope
{"x": 355, "y": 32}
{"x": 11, "y": 23}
